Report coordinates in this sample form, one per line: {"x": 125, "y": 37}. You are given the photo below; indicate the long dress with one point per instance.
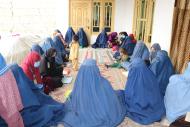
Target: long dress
{"x": 51, "y": 72}
{"x": 163, "y": 69}
{"x": 144, "y": 103}
{"x": 74, "y": 54}
{"x": 61, "y": 51}
{"x": 177, "y": 95}
{"x": 140, "y": 51}
{"x": 69, "y": 35}
{"x": 83, "y": 40}
{"x": 101, "y": 40}
{"x": 93, "y": 102}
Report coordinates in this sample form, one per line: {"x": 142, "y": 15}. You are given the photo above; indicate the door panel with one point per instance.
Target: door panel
{"x": 80, "y": 15}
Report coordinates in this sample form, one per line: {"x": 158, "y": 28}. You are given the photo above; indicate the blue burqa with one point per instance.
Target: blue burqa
{"x": 61, "y": 51}
{"x": 83, "y": 41}
{"x": 128, "y": 45}
{"x": 47, "y": 44}
{"x": 69, "y": 35}
{"x": 37, "y": 49}
{"x": 101, "y": 40}
{"x": 140, "y": 51}
{"x": 39, "y": 110}
{"x": 93, "y": 102}
{"x": 177, "y": 95}
{"x": 144, "y": 103}
{"x": 156, "y": 48}
{"x": 162, "y": 67}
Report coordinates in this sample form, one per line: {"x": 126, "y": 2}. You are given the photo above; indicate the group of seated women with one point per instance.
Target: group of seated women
{"x": 152, "y": 90}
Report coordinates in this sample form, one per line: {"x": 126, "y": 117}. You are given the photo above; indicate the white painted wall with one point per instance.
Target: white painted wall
{"x": 124, "y": 10}
{"x": 162, "y": 24}
{"x": 62, "y": 15}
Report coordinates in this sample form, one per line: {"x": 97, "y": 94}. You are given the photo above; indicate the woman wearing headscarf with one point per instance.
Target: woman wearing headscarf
{"x": 153, "y": 50}
{"x": 140, "y": 51}
{"x": 59, "y": 34}
{"x": 62, "y": 53}
{"x": 10, "y": 100}
{"x": 83, "y": 41}
{"x": 144, "y": 103}
{"x": 38, "y": 109}
{"x": 129, "y": 44}
{"x": 112, "y": 40}
{"x": 93, "y": 102}
{"x": 69, "y": 35}
{"x": 177, "y": 95}
{"x": 101, "y": 40}
{"x": 30, "y": 66}
{"x": 162, "y": 67}
{"x": 122, "y": 36}
{"x": 51, "y": 72}
{"x": 37, "y": 49}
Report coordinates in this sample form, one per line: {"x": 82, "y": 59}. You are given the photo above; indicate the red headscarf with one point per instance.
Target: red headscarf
{"x": 29, "y": 69}
{"x": 133, "y": 38}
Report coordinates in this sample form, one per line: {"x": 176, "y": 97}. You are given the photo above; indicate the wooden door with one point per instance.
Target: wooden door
{"x": 80, "y": 15}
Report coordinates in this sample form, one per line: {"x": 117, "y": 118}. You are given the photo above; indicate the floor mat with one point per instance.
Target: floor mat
{"x": 114, "y": 75}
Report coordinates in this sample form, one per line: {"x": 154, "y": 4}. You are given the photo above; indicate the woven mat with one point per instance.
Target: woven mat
{"x": 114, "y": 75}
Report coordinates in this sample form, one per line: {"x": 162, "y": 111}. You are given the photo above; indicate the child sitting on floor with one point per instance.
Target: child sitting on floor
{"x": 123, "y": 57}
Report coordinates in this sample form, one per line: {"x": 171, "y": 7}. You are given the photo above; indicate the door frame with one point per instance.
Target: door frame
{"x": 91, "y": 33}
{"x": 90, "y": 27}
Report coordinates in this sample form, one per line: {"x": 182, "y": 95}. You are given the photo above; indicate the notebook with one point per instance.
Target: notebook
{"x": 67, "y": 80}
{"x": 187, "y": 118}
{"x": 125, "y": 73}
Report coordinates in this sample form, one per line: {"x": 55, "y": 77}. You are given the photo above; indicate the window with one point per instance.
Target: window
{"x": 96, "y": 17}
{"x": 102, "y": 15}
{"x": 143, "y": 19}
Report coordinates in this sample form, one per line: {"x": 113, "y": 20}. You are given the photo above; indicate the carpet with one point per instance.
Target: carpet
{"x": 114, "y": 76}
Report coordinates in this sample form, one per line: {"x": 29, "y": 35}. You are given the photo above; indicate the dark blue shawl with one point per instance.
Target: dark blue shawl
{"x": 37, "y": 49}
{"x": 93, "y": 102}
{"x": 162, "y": 67}
{"x": 69, "y": 35}
{"x": 144, "y": 103}
{"x": 83, "y": 41}
{"x": 101, "y": 41}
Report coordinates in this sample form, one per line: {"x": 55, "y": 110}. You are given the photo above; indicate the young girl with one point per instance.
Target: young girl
{"x": 74, "y": 52}
{"x": 123, "y": 58}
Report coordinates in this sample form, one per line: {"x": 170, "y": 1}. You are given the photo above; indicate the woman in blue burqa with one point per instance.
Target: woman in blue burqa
{"x": 177, "y": 95}
{"x": 37, "y": 49}
{"x": 101, "y": 40}
{"x": 83, "y": 40}
{"x": 47, "y": 44}
{"x": 163, "y": 69}
{"x": 62, "y": 53}
{"x": 140, "y": 51}
{"x": 93, "y": 102}
{"x": 144, "y": 103}
{"x": 69, "y": 35}
{"x": 39, "y": 110}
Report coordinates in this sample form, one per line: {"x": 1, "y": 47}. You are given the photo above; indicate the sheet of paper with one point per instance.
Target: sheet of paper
{"x": 67, "y": 80}
{"x": 187, "y": 118}
{"x": 125, "y": 73}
